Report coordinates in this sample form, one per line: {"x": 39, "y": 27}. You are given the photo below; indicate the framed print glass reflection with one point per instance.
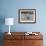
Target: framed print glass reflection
{"x": 27, "y": 15}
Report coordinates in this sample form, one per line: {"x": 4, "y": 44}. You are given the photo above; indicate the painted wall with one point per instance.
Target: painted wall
{"x": 9, "y": 8}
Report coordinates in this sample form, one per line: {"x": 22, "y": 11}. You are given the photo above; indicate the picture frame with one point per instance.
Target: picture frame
{"x": 27, "y": 16}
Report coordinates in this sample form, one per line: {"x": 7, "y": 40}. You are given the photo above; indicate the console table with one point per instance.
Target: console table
{"x": 21, "y": 39}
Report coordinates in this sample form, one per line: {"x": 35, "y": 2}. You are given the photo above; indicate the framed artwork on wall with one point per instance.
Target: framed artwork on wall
{"x": 27, "y": 16}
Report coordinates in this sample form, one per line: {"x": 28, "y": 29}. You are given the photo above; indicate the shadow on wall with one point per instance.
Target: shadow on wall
{"x": 2, "y": 21}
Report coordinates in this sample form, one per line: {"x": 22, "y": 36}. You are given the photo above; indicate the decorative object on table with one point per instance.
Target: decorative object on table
{"x": 9, "y": 21}
{"x": 30, "y": 33}
{"x": 27, "y": 16}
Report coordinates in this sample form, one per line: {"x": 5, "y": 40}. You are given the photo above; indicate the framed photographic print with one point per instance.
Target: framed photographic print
{"x": 27, "y": 15}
